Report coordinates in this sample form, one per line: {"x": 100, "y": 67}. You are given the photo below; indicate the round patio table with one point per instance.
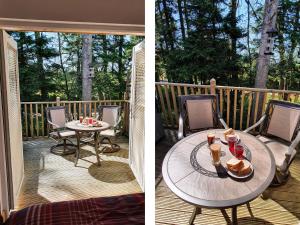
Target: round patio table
{"x": 80, "y": 128}
{"x": 189, "y": 173}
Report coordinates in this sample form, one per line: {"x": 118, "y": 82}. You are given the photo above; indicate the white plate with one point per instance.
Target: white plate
{"x": 85, "y": 125}
{"x": 81, "y": 125}
{"x": 235, "y": 175}
{"x": 222, "y": 138}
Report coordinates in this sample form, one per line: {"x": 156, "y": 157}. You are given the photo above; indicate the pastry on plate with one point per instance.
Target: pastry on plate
{"x": 235, "y": 164}
{"x": 246, "y": 169}
{"x": 239, "y": 167}
{"x": 227, "y": 132}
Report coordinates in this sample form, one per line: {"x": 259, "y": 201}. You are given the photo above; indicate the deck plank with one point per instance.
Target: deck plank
{"x": 52, "y": 178}
{"x": 277, "y": 205}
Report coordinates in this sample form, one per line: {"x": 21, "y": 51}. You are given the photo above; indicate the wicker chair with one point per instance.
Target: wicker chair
{"x": 110, "y": 114}
{"x": 280, "y": 131}
{"x": 56, "y": 118}
{"x": 198, "y": 112}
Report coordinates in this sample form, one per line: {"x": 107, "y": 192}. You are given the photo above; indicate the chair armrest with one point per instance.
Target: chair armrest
{"x": 180, "y": 134}
{"x": 295, "y": 142}
{"x": 288, "y": 154}
{"x": 54, "y": 128}
{"x": 117, "y": 126}
{"x": 256, "y": 124}
{"x": 223, "y": 123}
{"x": 53, "y": 124}
{"x": 69, "y": 117}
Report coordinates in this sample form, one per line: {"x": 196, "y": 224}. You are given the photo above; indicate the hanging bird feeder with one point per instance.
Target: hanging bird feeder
{"x": 272, "y": 32}
{"x": 269, "y": 47}
{"x": 91, "y": 72}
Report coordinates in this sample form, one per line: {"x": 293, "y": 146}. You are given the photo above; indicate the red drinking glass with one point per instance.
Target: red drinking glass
{"x": 232, "y": 139}
{"x": 239, "y": 150}
{"x": 80, "y": 119}
{"x": 90, "y": 120}
{"x": 210, "y": 138}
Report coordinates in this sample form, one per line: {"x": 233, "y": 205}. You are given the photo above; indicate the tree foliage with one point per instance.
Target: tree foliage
{"x": 197, "y": 40}
{"x": 50, "y": 65}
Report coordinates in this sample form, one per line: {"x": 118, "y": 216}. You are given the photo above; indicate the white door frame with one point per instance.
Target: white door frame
{"x": 6, "y": 196}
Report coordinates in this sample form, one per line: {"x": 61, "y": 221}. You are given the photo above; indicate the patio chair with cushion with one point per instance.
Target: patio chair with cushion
{"x": 198, "y": 112}
{"x": 280, "y": 131}
{"x": 110, "y": 114}
{"x": 56, "y": 118}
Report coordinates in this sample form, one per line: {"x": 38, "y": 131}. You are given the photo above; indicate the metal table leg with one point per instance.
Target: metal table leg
{"x": 234, "y": 215}
{"x": 96, "y": 140}
{"x": 77, "y": 154}
{"x": 196, "y": 211}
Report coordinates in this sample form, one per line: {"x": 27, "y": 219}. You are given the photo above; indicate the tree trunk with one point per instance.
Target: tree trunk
{"x": 281, "y": 47}
{"x": 104, "y": 46}
{"x": 40, "y": 64}
{"x": 294, "y": 35}
{"x": 62, "y": 66}
{"x": 163, "y": 30}
{"x": 168, "y": 21}
{"x": 263, "y": 61}
{"x": 233, "y": 37}
{"x": 186, "y": 15}
{"x": 21, "y": 50}
{"x": 120, "y": 64}
{"x": 181, "y": 19}
{"x": 248, "y": 41}
{"x": 87, "y": 41}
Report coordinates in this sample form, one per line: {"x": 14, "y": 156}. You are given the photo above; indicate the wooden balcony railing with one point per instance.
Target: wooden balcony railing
{"x": 34, "y": 120}
{"x": 239, "y": 106}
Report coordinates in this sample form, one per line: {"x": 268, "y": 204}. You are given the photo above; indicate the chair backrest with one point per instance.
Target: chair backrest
{"x": 57, "y": 115}
{"x": 110, "y": 114}
{"x": 198, "y": 112}
{"x": 282, "y": 121}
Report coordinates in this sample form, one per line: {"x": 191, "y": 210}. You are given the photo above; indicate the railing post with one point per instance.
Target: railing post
{"x": 58, "y": 101}
{"x": 212, "y": 86}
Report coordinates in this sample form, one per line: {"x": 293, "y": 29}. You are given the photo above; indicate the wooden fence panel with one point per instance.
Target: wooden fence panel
{"x": 174, "y": 104}
{"x": 242, "y": 110}
{"x": 169, "y": 110}
{"x": 240, "y": 104}
{"x": 34, "y": 119}
{"x": 228, "y": 106}
{"x": 235, "y": 108}
{"x": 221, "y": 102}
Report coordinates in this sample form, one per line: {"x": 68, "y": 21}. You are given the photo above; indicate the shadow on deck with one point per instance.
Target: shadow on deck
{"x": 52, "y": 178}
{"x": 282, "y": 205}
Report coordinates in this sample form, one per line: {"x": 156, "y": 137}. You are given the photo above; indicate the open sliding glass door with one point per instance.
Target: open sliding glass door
{"x": 137, "y": 106}
{"x": 11, "y": 120}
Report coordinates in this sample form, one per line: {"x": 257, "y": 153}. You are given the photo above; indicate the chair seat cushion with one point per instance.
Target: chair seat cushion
{"x": 109, "y": 132}
{"x": 284, "y": 115}
{"x": 278, "y": 149}
{"x": 64, "y": 134}
{"x": 200, "y": 114}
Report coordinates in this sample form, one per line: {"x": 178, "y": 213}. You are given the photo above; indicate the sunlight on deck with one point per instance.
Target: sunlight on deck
{"x": 51, "y": 178}
{"x": 278, "y": 205}
{"x": 282, "y": 206}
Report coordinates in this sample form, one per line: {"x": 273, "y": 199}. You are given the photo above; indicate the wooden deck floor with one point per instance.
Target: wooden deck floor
{"x": 51, "y": 178}
{"x": 280, "y": 205}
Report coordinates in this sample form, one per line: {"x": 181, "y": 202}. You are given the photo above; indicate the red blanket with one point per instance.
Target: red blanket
{"x": 126, "y": 209}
